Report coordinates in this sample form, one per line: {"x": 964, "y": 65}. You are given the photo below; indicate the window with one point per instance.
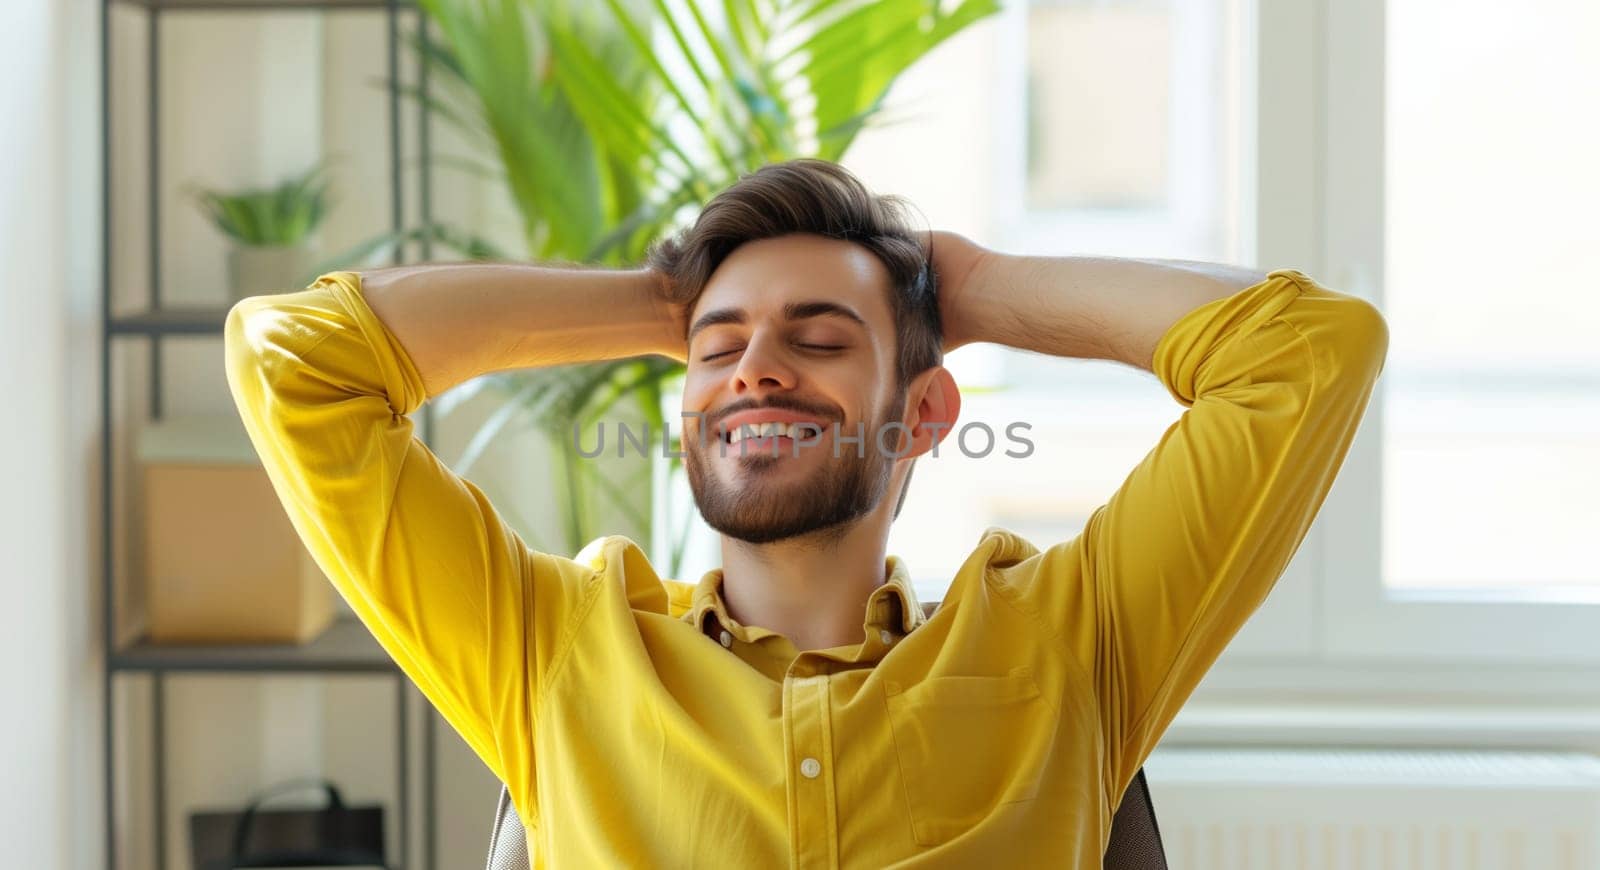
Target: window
{"x": 1493, "y": 400}
{"x": 1110, "y": 127}
{"x": 1461, "y": 180}
{"x": 1089, "y": 145}
{"x": 1428, "y": 156}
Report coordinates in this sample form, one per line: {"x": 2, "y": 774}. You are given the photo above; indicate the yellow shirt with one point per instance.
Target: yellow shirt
{"x": 636, "y": 724}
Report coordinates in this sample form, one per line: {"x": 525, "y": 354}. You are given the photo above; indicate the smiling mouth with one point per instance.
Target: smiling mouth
{"x": 766, "y": 445}
{"x": 764, "y": 432}
{"x": 770, "y": 439}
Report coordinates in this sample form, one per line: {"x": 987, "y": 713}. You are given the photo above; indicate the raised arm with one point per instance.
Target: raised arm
{"x": 461, "y": 320}
{"x": 1110, "y": 308}
{"x": 323, "y": 379}
{"x": 1276, "y": 372}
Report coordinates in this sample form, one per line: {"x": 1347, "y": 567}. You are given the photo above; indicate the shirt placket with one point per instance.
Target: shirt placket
{"x": 808, "y": 752}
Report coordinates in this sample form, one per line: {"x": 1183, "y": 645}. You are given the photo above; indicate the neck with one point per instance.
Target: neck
{"x": 812, "y": 589}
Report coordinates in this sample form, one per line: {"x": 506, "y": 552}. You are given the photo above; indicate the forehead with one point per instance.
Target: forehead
{"x": 759, "y": 277}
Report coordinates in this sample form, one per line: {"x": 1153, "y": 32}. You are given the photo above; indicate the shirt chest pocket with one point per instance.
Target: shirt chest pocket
{"x": 968, "y": 747}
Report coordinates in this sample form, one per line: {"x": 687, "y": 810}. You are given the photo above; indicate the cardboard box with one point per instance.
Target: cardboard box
{"x": 222, "y": 562}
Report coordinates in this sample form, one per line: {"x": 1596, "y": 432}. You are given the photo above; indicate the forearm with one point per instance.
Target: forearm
{"x": 460, "y": 320}
{"x": 1092, "y": 307}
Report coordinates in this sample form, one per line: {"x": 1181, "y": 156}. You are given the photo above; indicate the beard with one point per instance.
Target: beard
{"x": 760, "y": 510}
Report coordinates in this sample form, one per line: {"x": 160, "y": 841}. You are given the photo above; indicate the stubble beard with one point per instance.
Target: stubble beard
{"x": 842, "y": 489}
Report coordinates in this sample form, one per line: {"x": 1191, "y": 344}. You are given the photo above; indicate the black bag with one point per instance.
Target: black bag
{"x": 332, "y": 836}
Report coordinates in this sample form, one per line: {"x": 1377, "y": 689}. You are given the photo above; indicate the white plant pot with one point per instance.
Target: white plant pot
{"x": 259, "y": 269}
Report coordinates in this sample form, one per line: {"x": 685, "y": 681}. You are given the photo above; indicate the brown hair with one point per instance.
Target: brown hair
{"x": 807, "y": 195}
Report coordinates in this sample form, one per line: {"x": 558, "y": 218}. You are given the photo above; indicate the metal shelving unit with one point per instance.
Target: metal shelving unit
{"x": 345, "y": 648}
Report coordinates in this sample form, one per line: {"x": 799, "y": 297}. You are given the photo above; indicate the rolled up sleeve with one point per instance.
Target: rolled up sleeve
{"x": 452, "y": 594}
{"x": 1275, "y": 379}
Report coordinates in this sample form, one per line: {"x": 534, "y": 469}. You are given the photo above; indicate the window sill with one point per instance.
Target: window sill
{"x": 1573, "y": 727}
{"x": 1260, "y": 700}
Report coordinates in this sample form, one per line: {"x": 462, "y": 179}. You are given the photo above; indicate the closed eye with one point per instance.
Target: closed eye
{"x": 817, "y": 347}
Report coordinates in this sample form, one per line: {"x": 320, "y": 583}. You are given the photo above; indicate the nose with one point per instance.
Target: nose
{"x": 763, "y": 365}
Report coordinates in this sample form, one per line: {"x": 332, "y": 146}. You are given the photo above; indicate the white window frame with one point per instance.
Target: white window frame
{"x": 1178, "y": 231}
{"x": 1321, "y": 73}
{"x": 1361, "y": 618}
{"x": 1314, "y": 199}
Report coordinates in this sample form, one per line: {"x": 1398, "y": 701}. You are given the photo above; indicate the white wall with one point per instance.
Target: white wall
{"x": 50, "y": 800}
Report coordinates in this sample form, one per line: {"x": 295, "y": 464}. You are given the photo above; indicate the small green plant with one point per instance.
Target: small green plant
{"x": 282, "y": 215}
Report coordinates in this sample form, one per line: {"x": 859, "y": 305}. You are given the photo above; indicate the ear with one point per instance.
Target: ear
{"x": 935, "y": 406}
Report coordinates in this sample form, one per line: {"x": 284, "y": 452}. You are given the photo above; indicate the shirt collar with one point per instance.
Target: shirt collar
{"x": 893, "y": 605}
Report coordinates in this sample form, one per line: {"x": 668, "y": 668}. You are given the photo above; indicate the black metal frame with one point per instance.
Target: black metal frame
{"x": 346, "y": 648}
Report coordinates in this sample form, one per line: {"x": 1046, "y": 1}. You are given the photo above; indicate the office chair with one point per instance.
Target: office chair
{"x": 1135, "y": 840}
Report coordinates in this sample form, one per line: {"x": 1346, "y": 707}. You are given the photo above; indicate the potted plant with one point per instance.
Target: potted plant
{"x": 271, "y": 231}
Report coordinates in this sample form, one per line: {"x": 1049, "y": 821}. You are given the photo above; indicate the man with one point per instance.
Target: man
{"x": 798, "y": 707}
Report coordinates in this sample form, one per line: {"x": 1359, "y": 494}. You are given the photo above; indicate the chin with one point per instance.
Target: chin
{"x": 776, "y": 529}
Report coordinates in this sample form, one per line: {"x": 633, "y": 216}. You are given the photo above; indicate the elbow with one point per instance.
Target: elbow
{"x": 1347, "y": 341}
{"x": 252, "y": 344}
{"x": 1348, "y": 338}
{"x": 233, "y": 326}
{"x": 1364, "y": 339}
{"x": 235, "y": 349}
{"x": 241, "y": 355}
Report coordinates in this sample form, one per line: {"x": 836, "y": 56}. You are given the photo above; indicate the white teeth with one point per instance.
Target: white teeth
{"x": 764, "y": 430}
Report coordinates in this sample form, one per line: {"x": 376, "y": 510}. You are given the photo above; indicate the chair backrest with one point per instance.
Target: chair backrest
{"x": 508, "y": 843}
{"x": 1135, "y": 839}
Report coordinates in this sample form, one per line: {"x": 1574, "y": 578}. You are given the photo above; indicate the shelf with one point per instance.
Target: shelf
{"x": 260, "y": 5}
{"x": 346, "y": 647}
{"x": 171, "y": 321}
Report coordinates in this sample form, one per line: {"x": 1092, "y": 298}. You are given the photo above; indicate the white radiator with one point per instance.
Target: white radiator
{"x": 1355, "y": 809}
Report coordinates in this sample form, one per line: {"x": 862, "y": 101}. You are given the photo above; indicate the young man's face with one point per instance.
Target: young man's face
{"x": 792, "y": 330}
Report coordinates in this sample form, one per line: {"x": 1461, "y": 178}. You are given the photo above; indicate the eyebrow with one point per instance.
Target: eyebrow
{"x": 791, "y": 311}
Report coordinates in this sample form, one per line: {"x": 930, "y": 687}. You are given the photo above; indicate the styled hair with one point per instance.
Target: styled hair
{"x": 807, "y": 195}
{"x": 820, "y": 197}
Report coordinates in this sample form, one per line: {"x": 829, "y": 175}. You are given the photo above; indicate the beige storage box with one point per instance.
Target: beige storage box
{"x": 222, "y": 562}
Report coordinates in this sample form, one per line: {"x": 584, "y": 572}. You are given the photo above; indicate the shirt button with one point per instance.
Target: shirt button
{"x": 810, "y": 767}
{"x": 885, "y": 636}
{"x": 726, "y": 638}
